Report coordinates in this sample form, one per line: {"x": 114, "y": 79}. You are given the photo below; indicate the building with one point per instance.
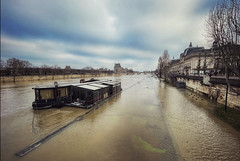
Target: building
{"x": 194, "y": 61}
{"x": 68, "y": 67}
{"x": 117, "y": 68}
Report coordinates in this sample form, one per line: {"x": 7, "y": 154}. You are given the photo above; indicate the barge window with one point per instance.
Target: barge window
{"x": 37, "y": 94}
{"x": 46, "y": 94}
{"x": 67, "y": 91}
{"x": 62, "y": 92}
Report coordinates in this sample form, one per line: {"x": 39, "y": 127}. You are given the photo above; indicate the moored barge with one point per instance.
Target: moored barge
{"x": 180, "y": 84}
{"x": 84, "y": 95}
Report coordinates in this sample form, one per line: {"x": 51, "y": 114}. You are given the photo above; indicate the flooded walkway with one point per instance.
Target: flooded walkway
{"x": 149, "y": 120}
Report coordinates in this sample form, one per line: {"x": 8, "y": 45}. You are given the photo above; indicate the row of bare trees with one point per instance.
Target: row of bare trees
{"x": 15, "y": 67}
{"x": 223, "y": 28}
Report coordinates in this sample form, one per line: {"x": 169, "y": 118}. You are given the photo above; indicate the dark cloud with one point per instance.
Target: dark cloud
{"x": 100, "y": 33}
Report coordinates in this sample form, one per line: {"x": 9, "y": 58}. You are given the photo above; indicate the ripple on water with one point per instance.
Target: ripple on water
{"x": 198, "y": 134}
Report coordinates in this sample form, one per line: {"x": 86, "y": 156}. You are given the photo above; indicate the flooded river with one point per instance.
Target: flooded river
{"x": 149, "y": 120}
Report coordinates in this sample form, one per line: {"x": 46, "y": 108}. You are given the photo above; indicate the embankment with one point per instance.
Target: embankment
{"x": 5, "y": 79}
{"x": 214, "y": 88}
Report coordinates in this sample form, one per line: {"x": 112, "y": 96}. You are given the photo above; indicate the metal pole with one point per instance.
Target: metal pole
{"x": 225, "y": 108}
{"x": 205, "y": 63}
{"x": 199, "y": 63}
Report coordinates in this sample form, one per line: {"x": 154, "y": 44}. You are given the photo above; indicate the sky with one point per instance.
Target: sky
{"x": 100, "y": 33}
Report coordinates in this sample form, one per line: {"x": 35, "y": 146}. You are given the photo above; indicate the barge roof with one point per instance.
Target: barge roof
{"x": 89, "y": 87}
{"x": 51, "y": 86}
{"x": 89, "y": 83}
{"x": 98, "y": 83}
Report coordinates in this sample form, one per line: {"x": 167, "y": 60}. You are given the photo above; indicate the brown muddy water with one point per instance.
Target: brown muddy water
{"x": 149, "y": 120}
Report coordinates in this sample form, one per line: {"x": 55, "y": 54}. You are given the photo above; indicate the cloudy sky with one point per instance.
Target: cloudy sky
{"x": 99, "y": 33}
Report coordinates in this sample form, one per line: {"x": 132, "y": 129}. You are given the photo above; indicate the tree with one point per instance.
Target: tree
{"x": 55, "y": 66}
{"x": 223, "y": 27}
{"x": 43, "y": 69}
{"x": 44, "y": 66}
{"x": 17, "y": 66}
{"x": 26, "y": 64}
{"x": 3, "y": 64}
{"x": 160, "y": 66}
{"x": 163, "y": 64}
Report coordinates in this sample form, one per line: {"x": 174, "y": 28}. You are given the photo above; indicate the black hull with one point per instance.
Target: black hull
{"x": 40, "y": 105}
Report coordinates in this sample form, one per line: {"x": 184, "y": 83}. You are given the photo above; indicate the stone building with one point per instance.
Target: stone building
{"x": 194, "y": 61}
{"x": 117, "y": 68}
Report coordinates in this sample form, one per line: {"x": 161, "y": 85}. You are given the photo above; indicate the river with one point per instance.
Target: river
{"x": 149, "y": 120}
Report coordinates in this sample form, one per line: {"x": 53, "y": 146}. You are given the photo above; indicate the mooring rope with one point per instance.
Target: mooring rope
{"x": 133, "y": 84}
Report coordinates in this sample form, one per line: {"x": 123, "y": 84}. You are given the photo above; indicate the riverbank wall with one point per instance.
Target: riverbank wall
{"x": 213, "y": 87}
{"x": 5, "y": 79}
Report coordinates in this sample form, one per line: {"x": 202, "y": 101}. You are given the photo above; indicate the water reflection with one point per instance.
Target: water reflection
{"x": 45, "y": 121}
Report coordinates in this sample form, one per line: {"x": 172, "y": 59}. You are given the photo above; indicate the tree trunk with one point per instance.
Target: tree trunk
{"x": 228, "y": 85}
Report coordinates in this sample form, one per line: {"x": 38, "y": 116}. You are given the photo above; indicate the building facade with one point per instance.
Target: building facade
{"x": 194, "y": 61}
{"x": 117, "y": 68}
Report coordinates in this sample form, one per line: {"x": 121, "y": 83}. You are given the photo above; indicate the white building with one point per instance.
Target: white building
{"x": 194, "y": 60}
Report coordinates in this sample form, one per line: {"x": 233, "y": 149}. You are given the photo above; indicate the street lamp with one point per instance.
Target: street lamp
{"x": 205, "y": 63}
{"x": 199, "y": 63}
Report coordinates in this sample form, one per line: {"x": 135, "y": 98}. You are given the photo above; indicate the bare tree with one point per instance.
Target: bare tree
{"x": 223, "y": 27}
{"x": 163, "y": 64}
{"x": 17, "y": 66}
{"x": 55, "y": 66}
{"x": 27, "y": 64}
{"x": 44, "y": 66}
{"x": 160, "y": 66}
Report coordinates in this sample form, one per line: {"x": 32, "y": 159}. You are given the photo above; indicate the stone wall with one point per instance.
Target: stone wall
{"x": 48, "y": 77}
{"x": 216, "y": 92}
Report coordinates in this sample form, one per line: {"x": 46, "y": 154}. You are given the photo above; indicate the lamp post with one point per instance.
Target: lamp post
{"x": 216, "y": 57}
{"x": 205, "y": 63}
{"x": 199, "y": 64}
